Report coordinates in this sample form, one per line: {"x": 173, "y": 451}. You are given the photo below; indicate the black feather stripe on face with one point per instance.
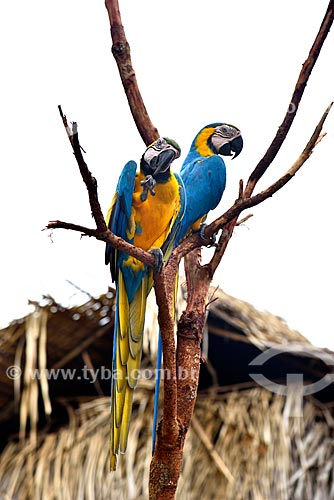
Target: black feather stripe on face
{"x": 211, "y": 146}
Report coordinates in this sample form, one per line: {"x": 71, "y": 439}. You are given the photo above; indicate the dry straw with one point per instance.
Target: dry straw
{"x": 243, "y": 444}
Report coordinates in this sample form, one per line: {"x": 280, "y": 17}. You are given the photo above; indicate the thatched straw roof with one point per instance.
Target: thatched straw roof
{"x": 268, "y": 454}
{"x": 245, "y": 442}
{"x": 54, "y": 337}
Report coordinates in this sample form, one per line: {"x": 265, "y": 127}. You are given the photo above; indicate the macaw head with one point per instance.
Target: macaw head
{"x": 226, "y": 140}
{"x": 218, "y": 139}
{"x": 157, "y": 159}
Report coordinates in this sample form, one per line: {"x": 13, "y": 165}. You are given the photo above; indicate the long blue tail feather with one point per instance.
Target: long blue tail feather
{"x": 157, "y": 391}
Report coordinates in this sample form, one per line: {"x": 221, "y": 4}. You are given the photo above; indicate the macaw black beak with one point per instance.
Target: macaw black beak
{"x": 232, "y": 148}
{"x": 236, "y": 146}
{"x": 162, "y": 162}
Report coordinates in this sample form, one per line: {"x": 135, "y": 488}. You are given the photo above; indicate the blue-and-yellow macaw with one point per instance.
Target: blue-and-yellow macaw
{"x": 146, "y": 211}
{"x": 204, "y": 173}
{"x": 204, "y": 176}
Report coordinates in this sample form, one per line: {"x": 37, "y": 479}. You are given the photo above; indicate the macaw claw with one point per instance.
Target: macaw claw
{"x": 148, "y": 186}
{"x": 158, "y": 259}
{"x": 212, "y": 239}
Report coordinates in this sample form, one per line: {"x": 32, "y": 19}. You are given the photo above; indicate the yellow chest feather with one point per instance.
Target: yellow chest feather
{"x": 153, "y": 218}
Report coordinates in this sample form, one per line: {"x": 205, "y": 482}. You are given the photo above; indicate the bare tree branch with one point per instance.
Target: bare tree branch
{"x": 199, "y": 277}
{"x": 164, "y": 291}
{"x": 87, "y": 177}
{"x": 58, "y": 224}
{"x": 245, "y": 201}
{"x": 108, "y": 237}
{"x": 295, "y": 101}
{"x": 101, "y": 232}
{"x": 230, "y": 217}
{"x": 121, "y": 53}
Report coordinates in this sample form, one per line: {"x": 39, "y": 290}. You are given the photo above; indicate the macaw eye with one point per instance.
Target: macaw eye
{"x": 226, "y": 131}
{"x": 159, "y": 144}
{"x": 223, "y": 130}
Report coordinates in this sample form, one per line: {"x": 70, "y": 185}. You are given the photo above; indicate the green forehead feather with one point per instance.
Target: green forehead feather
{"x": 173, "y": 143}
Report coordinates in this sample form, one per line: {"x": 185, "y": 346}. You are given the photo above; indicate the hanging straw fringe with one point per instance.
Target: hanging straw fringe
{"x": 34, "y": 371}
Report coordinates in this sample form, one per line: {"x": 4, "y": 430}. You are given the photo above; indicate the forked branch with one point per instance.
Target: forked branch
{"x": 230, "y": 217}
{"x": 180, "y": 394}
{"x": 101, "y": 232}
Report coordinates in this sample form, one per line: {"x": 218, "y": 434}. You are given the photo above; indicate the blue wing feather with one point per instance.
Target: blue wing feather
{"x": 204, "y": 181}
{"x": 120, "y": 212}
{"x": 157, "y": 390}
{"x": 169, "y": 244}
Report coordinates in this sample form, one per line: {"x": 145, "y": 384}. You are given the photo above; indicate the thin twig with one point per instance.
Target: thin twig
{"x": 108, "y": 237}
{"x": 80, "y": 289}
{"x": 244, "y": 219}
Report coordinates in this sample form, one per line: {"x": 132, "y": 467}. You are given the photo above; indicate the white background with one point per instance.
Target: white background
{"x": 196, "y": 63}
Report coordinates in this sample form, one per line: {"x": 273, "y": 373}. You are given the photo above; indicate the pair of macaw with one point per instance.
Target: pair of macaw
{"x": 155, "y": 209}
